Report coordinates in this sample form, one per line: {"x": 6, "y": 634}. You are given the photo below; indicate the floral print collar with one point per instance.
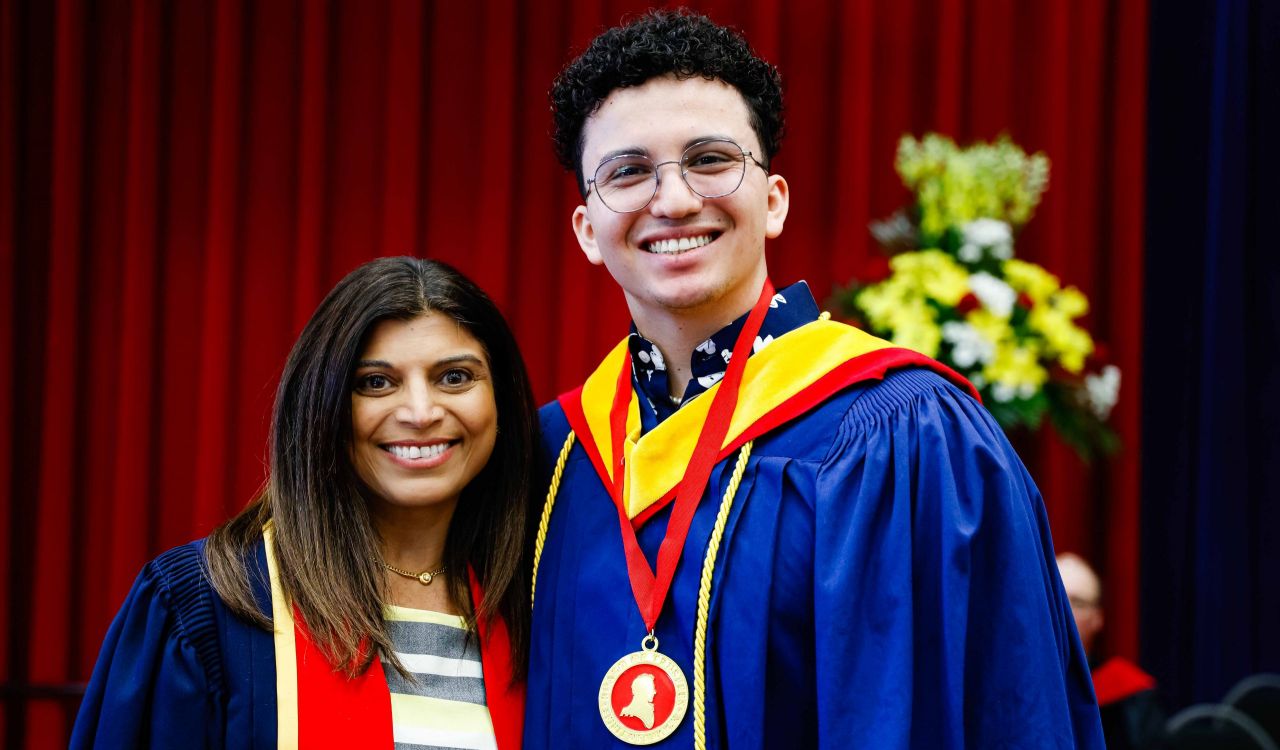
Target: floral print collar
{"x": 791, "y": 308}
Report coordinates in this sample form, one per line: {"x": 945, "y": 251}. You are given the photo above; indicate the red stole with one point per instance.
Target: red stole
{"x": 1118, "y": 679}
{"x": 317, "y": 706}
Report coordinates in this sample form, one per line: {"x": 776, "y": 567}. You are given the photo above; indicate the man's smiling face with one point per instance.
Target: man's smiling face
{"x": 723, "y": 268}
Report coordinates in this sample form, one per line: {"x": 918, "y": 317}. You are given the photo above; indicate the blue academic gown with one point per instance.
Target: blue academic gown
{"x": 178, "y": 670}
{"x": 886, "y": 580}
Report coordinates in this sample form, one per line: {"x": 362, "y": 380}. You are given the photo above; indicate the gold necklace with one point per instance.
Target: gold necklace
{"x": 425, "y": 577}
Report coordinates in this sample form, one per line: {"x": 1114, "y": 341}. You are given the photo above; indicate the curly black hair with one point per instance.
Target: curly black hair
{"x": 659, "y": 43}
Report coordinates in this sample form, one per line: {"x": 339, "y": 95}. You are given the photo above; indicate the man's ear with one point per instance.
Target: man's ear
{"x": 586, "y": 235}
{"x": 779, "y": 202}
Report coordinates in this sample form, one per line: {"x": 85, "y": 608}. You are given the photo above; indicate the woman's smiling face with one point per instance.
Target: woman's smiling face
{"x": 423, "y": 416}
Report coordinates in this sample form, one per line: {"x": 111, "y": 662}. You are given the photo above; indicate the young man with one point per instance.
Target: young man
{"x": 766, "y": 529}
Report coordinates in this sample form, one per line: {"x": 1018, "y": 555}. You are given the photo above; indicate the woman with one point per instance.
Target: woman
{"x": 343, "y": 606}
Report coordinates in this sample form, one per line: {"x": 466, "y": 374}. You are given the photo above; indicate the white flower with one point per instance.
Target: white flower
{"x": 968, "y": 345}
{"x": 1003, "y": 392}
{"x": 970, "y": 253}
{"x": 658, "y": 362}
{"x": 761, "y": 343}
{"x": 706, "y": 381}
{"x": 727, "y": 354}
{"x": 994, "y": 294}
{"x": 1102, "y": 390}
{"x": 777, "y": 298}
{"x": 987, "y": 232}
{"x": 707, "y": 346}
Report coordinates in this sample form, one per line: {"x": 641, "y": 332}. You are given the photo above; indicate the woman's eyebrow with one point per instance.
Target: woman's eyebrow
{"x": 372, "y": 363}
{"x": 459, "y": 358}
{"x": 450, "y": 360}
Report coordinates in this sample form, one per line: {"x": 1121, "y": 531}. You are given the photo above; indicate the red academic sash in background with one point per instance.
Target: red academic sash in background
{"x": 1118, "y": 679}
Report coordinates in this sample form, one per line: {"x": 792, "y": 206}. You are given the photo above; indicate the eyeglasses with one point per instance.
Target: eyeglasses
{"x": 712, "y": 168}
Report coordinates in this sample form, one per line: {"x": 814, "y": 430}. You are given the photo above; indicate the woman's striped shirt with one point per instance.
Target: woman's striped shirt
{"x": 444, "y": 707}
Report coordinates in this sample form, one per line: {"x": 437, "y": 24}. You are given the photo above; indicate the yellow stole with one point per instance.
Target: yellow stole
{"x": 790, "y": 376}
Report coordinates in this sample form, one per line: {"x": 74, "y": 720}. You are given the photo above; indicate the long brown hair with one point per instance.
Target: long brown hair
{"x": 325, "y": 542}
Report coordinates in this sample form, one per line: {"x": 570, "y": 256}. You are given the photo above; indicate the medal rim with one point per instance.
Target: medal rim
{"x": 660, "y": 731}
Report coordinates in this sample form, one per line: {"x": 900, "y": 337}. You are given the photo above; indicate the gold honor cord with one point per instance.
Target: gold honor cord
{"x": 704, "y": 601}
{"x": 545, "y": 521}
{"x": 704, "y": 588}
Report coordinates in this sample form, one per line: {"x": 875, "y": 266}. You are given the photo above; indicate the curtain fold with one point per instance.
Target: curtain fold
{"x": 1211, "y": 545}
{"x": 180, "y": 183}
{"x": 8, "y": 337}
{"x": 64, "y": 310}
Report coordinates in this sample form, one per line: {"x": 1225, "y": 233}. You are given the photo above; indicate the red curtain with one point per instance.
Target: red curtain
{"x": 181, "y": 182}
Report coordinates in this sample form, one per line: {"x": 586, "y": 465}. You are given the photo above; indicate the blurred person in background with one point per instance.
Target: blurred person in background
{"x": 1132, "y": 718}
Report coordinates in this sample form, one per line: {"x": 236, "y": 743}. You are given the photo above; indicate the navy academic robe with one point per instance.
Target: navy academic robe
{"x": 886, "y": 580}
{"x": 178, "y": 670}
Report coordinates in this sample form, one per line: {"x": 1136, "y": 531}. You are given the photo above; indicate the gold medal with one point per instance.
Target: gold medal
{"x": 643, "y": 696}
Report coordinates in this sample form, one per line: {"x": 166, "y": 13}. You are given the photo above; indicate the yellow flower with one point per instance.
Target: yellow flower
{"x": 1016, "y": 369}
{"x": 1069, "y": 343}
{"x": 934, "y": 273}
{"x": 880, "y": 302}
{"x": 897, "y": 306}
{"x": 954, "y": 186}
{"x": 1038, "y": 283}
{"x": 992, "y": 327}
{"x": 914, "y": 328}
{"x": 1071, "y": 302}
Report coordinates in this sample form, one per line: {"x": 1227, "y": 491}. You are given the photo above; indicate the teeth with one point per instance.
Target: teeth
{"x": 683, "y": 244}
{"x": 417, "y": 452}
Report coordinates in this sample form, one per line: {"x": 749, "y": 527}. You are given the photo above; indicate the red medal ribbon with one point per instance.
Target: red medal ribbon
{"x": 650, "y": 590}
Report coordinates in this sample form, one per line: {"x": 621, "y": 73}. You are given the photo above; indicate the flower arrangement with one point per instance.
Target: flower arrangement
{"x": 957, "y": 293}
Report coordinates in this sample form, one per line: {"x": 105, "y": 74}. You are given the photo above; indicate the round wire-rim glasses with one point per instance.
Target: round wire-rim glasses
{"x": 711, "y": 168}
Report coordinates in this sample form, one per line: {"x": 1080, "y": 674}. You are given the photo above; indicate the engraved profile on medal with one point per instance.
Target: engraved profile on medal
{"x": 643, "y": 698}
{"x": 643, "y": 691}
